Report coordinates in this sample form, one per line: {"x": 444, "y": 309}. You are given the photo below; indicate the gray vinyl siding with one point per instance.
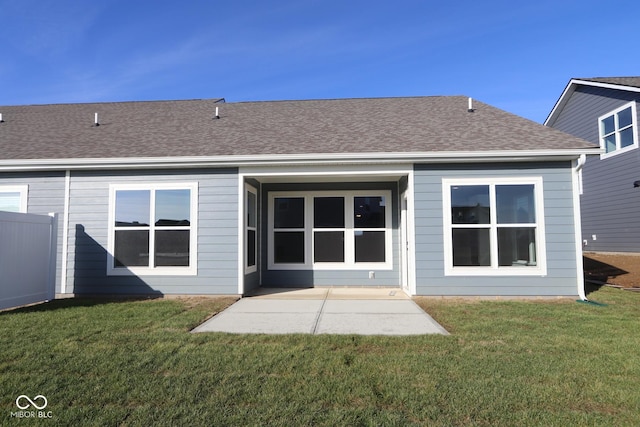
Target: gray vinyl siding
{"x": 561, "y": 278}
{"x": 310, "y": 278}
{"x": 217, "y": 231}
{"x": 610, "y": 204}
{"x": 46, "y": 195}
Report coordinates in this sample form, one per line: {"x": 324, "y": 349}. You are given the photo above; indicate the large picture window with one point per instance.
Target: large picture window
{"x": 152, "y": 229}
{"x": 494, "y": 226}
{"x": 330, "y": 230}
{"x": 618, "y": 130}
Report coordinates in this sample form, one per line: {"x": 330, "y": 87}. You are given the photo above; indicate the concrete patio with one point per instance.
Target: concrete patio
{"x": 360, "y": 311}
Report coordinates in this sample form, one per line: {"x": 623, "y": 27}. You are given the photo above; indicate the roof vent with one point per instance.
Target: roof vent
{"x": 96, "y": 122}
{"x": 470, "y": 109}
{"x": 1, "y": 120}
{"x": 217, "y": 115}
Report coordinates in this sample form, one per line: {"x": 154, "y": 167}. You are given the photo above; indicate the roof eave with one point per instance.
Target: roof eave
{"x": 294, "y": 159}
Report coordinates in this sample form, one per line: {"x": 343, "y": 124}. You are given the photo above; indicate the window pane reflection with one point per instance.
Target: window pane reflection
{"x": 173, "y": 207}
{"x": 515, "y": 204}
{"x": 370, "y": 246}
{"x": 288, "y": 247}
{"x": 172, "y": 248}
{"x": 626, "y": 137}
{"x": 608, "y": 125}
{"x": 328, "y": 246}
{"x": 369, "y": 212}
{"x": 131, "y": 248}
{"x": 470, "y": 204}
{"x": 624, "y": 118}
{"x": 10, "y": 201}
{"x": 516, "y": 246}
{"x": 288, "y": 212}
{"x": 251, "y": 248}
{"x": 471, "y": 247}
{"x": 251, "y": 209}
{"x": 132, "y": 208}
{"x": 328, "y": 212}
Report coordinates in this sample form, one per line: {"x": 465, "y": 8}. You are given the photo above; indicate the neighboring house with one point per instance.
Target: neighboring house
{"x": 427, "y": 194}
{"x": 604, "y": 111}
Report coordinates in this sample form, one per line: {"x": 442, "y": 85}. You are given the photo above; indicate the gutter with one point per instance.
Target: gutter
{"x": 295, "y": 159}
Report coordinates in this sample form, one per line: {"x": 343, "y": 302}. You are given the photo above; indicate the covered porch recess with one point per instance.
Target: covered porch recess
{"x": 306, "y": 227}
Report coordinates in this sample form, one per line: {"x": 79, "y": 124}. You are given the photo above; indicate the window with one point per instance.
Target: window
{"x": 153, "y": 229}
{"x": 13, "y": 198}
{"x": 251, "y": 226}
{"x": 369, "y": 228}
{"x": 494, "y": 226}
{"x": 618, "y": 131}
{"x": 289, "y": 230}
{"x": 330, "y": 230}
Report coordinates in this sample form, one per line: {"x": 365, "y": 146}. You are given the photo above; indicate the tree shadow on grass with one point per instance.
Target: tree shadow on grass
{"x": 598, "y": 273}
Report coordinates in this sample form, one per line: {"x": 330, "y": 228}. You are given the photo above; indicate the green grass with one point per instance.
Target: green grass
{"x": 506, "y": 363}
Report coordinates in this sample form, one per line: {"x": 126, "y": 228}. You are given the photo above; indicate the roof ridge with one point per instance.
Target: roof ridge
{"x": 354, "y": 98}
{"x": 63, "y": 104}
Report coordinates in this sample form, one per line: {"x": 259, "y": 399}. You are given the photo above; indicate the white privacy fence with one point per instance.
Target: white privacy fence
{"x": 27, "y": 259}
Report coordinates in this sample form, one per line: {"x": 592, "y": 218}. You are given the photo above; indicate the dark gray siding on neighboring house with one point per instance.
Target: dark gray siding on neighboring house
{"x": 561, "y": 276}
{"x": 310, "y": 278}
{"x": 217, "y": 234}
{"x": 610, "y": 204}
{"x": 45, "y": 195}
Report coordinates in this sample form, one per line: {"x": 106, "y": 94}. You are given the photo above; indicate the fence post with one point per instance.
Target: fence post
{"x": 53, "y": 253}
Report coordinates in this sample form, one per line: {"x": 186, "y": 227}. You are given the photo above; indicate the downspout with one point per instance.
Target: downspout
{"x": 241, "y": 233}
{"x": 579, "y": 165}
{"x": 577, "y": 190}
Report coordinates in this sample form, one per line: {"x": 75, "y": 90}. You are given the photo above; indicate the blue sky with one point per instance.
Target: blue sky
{"x": 516, "y": 55}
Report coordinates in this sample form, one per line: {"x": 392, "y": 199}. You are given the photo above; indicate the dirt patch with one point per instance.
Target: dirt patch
{"x": 613, "y": 268}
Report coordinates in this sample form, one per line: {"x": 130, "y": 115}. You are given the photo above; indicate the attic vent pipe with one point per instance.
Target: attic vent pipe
{"x": 1, "y": 121}
{"x": 470, "y": 109}
{"x": 217, "y": 115}
{"x": 97, "y": 123}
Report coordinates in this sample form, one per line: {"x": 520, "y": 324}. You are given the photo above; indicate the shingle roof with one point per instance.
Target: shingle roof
{"x": 622, "y": 81}
{"x": 188, "y": 128}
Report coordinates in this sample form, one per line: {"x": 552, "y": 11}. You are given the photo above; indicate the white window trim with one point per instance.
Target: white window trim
{"x": 24, "y": 194}
{"x": 349, "y": 248}
{"x": 247, "y": 268}
{"x": 495, "y": 270}
{"x": 634, "y": 126}
{"x": 190, "y": 270}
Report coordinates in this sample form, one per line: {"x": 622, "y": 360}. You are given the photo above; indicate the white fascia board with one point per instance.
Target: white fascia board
{"x": 295, "y": 159}
{"x": 560, "y": 103}
{"x": 571, "y": 87}
{"x": 606, "y": 85}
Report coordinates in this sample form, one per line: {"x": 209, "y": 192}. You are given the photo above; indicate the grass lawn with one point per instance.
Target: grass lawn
{"x": 506, "y": 363}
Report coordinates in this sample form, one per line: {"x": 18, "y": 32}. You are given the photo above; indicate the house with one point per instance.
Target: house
{"x": 437, "y": 195}
{"x": 604, "y": 111}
